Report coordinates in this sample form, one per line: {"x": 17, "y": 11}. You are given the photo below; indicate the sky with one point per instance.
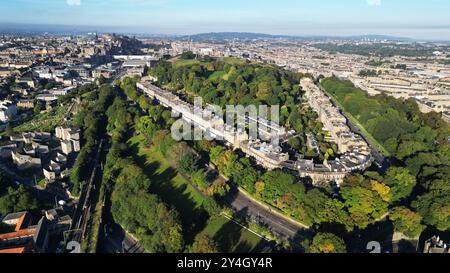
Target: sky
{"x": 421, "y": 19}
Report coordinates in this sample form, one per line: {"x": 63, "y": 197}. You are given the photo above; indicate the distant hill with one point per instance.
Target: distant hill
{"x": 31, "y": 29}
{"x": 231, "y": 36}
{"x": 221, "y": 36}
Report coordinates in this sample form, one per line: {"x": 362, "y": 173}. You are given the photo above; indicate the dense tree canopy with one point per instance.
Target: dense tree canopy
{"x": 407, "y": 221}
{"x": 434, "y": 205}
{"x": 16, "y": 200}
{"x": 401, "y": 183}
{"x": 229, "y": 81}
{"x": 417, "y": 141}
{"x": 204, "y": 244}
{"x": 327, "y": 243}
{"x": 157, "y": 226}
{"x": 94, "y": 128}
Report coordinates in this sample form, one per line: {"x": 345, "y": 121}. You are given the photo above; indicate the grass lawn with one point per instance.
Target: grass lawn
{"x": 171, "y": 187}
{"x": 41, "y": 183}
{"x": 174, "y": 190}
{"x": 233, "y": 238}
{"x": 180, "y": 62}
{"x": 217, "y": 75}
{"x": 88, "y": 94}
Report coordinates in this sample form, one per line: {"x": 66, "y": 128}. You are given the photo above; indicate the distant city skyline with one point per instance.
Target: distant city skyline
{"x": 419, "y": 19}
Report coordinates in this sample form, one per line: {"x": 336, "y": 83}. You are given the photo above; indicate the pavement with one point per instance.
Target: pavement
{"x": 257, "y": 212}
{"x": 381, "y": 161}
{"x": 279, "y": 225}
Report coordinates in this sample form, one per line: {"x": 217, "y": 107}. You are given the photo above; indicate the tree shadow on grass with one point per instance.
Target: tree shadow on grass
{"x": 246, "y": 247}
{"x": 193, "y": 217}
{"x": 228, "y": 236}
{"x": 243, "y": 247}
{"x": 212, "y": 176}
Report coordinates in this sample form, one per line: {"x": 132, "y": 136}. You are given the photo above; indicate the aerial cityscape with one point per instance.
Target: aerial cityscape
{"x": 235, "y": 127}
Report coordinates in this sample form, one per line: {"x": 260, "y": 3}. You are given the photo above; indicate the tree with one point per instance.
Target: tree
{"x": 368, "y": 73}
{"x": 79, "y": 172}
{"x": 215, "y": 154}
{"x": 294, "y": 143}
{"x": 382, "y": 189}
{"x": 401, "y": 182}
{"x": 3, "y": 182}
{"x": 199, "y": 179}
{"x": 17, "y": 200}
{"x": 119, "y": 119}
{"x": 408, "y": 148}
{"x": 49, "y": 85}
{"x": 144, "y": 102}
{"x": 228, "y": 165}
{"x": 156, "y": 225}
{"x": 9, "y": 131}
{"x": 327, "y": 243}
{"x": 39, "y": 107}
{"x": 276, "y": 185}
{"x": 188, "y": 55}
{"x": 219, "y": 188}
{"x": 155, "y": 112}
{"x": 407, "y": 221}
{"x": 187, "y": 164}
{"x": 364, "y": 205}
{"x": 147, "y": 128}
{"x": 264, "y": 90}
{"x": 434, "y": 205}
{"x": 211, "y": 206}
{"x": 204, "y": 244}
{"x": 165, "y": 143}
{"x": 247, "y": 177}
{"x": 101, "y": 80}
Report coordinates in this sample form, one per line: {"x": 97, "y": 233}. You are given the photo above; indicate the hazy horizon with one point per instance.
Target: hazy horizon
{"x": 416, "y": 19}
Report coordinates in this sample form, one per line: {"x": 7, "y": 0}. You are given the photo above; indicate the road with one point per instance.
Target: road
{"x": 248, "y": 207}
{"x": 381, "y": 161}
{"x": 279, "y": 225}
{"x": 115, "y": 239}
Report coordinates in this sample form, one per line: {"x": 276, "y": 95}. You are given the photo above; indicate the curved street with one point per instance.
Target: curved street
{"x": 261, "y": 214}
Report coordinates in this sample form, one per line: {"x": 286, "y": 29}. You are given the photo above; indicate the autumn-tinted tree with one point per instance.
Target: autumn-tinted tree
{"x": 407, "y": 221}
{"x": 219, "y": 188}
{"x": 204, "y": 244}
{"x": 400, "y": 181}
{"x": 327, "y": 243}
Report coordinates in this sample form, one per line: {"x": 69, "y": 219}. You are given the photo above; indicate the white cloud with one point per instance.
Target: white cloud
{"x": 73, "y": 2}
{"x": 374, "y": 2}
